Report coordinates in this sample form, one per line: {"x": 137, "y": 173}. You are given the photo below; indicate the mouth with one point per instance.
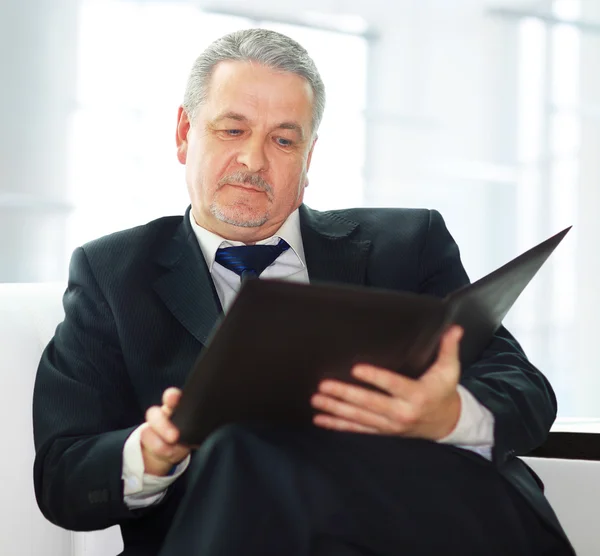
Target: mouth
{"x": 246, "y": 187}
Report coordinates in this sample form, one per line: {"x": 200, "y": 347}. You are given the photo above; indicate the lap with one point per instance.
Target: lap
{"x": 372, "y": 492}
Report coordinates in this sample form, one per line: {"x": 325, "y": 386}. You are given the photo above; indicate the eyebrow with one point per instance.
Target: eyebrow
{"x": 292, "y": 126}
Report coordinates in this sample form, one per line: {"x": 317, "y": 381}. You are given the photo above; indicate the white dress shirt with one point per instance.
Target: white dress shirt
{"x": 474, "y": 430}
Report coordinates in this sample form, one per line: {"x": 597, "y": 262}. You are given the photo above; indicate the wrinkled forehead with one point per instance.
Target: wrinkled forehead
{"x": 259, "y": 93}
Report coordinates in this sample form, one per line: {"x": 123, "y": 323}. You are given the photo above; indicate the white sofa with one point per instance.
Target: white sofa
{"x": 29, "y": 314}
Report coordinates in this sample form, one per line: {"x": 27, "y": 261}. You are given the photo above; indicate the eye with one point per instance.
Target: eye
{"x": 283, "y": 142}
{"x": 233, "y": 132}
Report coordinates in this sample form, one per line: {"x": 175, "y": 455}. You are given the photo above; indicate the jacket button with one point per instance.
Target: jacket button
{"x": 98, "y": 496}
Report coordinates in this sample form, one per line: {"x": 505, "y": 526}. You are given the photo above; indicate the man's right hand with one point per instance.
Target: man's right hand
{"x": 159, "y": 437}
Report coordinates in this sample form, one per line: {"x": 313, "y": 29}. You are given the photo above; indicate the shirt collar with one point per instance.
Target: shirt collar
{"x": 289, "y": 231}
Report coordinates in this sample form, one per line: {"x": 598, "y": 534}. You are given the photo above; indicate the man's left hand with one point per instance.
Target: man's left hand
{"x": 428, "y": 407}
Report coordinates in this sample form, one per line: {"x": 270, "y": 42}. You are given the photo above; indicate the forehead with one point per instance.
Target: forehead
{"x": 259, "y": 93}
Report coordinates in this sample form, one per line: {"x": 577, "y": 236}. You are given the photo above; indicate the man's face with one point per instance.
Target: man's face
{"x": 248, "y": 150}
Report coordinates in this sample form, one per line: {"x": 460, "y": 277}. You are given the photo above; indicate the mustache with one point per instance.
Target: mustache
{"x": 247, "y": 177}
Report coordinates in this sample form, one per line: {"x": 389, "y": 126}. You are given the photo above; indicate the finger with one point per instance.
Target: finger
{"x": 171, "y": 397}
{"x": 372, "y": 401}
{"x": 161, "y": 425}
{"x": 450, "y": 346}
{"x": 159, "y": 449}
{"x": 334, "y": 423}
{"x": 356, "y": 395}
{"x": 352, "y": 413}
{"x": 395, "y": 384}
{"x": 167, "y": 410}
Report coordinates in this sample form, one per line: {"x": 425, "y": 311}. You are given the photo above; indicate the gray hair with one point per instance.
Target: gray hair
{"x": 269, "y": 48}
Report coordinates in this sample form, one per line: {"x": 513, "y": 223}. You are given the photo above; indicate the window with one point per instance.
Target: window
{"x": 549, "y": 134}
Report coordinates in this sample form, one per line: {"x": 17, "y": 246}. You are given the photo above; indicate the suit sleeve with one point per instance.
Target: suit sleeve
{"x": 83, "y": 412}
{"x": 503, "y": 379}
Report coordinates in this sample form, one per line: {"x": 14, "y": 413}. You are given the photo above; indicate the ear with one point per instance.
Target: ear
{"x": 181, "y": 135}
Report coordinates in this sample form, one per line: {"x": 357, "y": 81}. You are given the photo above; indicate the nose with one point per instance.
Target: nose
{"x": 252, "y": 155}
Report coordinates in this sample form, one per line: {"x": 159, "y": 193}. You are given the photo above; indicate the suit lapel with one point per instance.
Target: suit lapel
{"x": 332, "y": 254}
{"x": 186, "y": 287}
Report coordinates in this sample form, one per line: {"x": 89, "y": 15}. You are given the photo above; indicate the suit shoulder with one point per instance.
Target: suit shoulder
{"x": 132, "y": 247}
{"x": 408, "y": 221}
{"x": 132, "y": 239}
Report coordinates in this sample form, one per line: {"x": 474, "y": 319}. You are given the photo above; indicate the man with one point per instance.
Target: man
{"x": 432, "y": 468}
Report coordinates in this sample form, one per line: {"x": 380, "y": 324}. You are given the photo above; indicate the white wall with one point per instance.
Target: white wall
{"x": 37, "y": 62}
{"x": 588, "y": 259}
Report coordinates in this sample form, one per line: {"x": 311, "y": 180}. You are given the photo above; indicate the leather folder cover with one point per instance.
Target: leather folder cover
{"x": 279, "y": 339}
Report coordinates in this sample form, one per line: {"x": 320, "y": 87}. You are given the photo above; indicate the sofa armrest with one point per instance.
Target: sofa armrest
{"x": 569, "y": 465}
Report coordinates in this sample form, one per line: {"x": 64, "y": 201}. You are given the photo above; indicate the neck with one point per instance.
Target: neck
{"x": 247, "y": 235}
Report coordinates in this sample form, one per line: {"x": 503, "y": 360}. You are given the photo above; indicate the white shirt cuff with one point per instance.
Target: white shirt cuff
{"x": 141, "y": 489}
{"x": 475, "y": 428}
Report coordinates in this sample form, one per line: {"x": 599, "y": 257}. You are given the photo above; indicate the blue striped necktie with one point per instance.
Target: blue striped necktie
{"x": 249, "y": 260}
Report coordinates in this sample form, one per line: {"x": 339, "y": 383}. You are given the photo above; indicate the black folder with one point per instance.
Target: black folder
{"x": 279, "y": 339}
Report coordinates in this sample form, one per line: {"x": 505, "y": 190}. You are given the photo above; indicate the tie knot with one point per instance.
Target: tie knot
{"x": 249, "y": 260}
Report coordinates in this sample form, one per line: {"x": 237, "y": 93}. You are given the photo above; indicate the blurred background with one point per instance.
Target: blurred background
{"x": 487, "y": 110}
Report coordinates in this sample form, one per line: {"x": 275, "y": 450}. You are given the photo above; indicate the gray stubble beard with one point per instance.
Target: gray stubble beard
{"x": 216, "y": 211}
{"x": 221, "y": 216}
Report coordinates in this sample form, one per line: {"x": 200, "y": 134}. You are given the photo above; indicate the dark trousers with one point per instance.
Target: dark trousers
{"x": 263, "y": 491}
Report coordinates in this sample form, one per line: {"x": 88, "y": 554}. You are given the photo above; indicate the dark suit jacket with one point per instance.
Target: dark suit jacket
{"x": 139, "y": 307}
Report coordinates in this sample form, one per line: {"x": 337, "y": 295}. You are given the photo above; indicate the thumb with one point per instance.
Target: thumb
{"x": 170, "y": 398}
{"x": 450, "y": 347}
